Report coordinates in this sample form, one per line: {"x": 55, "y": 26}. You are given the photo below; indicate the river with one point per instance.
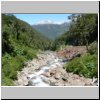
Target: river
{"x": 37, "y": 79}
{"x": 48, "y": 70}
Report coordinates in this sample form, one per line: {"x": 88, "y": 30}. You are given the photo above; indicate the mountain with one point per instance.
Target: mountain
{"x": 52, "y": 31}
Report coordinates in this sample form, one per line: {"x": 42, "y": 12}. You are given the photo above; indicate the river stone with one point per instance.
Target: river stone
{"x": 64, "y": 78}
{"x": 59, "y": 84}
{"x": 75, "y": 76}
{"x": 30, "y": 83}
{"x": 23, "y": 82}
{"x": 77, "y": 82}
{"x": 52, "y": 80}
{"x": 57, "y": 76}
{"x": 46, "y": 74}
{"x": 60, "y": 70}
{"x": 52, "y": 72}
{"x": 46, "y": 80}
{"x": 52, "y": 83}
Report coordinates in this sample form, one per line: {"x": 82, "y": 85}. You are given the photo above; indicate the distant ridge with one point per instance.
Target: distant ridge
{"x": 51, "y": 30}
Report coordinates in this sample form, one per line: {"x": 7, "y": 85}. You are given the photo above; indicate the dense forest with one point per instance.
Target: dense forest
{"x": 20, "y": 42}
{"x": 83, "y": 31}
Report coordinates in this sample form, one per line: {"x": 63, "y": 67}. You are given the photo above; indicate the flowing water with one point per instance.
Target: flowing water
{"x": 36, "y": 77}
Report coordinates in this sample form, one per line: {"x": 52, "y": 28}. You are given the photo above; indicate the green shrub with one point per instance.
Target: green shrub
{"x": 86, "y": 65}
{"x": 30, "y": 53}
{"x": 12, "y": 63}
{"x": 93, "y": 48}
{"x": 7, "y": 81}
{"x": 11, "y": 66}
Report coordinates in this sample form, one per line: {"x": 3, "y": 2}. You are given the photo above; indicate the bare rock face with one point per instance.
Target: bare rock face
{"x": 72, "y": 52}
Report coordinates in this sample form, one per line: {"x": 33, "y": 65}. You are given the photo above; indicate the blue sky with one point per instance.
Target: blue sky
{"x": 40, "y": 18}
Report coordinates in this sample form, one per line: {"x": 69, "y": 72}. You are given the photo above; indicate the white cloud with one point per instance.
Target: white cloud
{"x": 49, "y": 22}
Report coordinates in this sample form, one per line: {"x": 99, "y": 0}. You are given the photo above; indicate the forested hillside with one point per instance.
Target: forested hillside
{"x": 82, "y": 31}
{"x": 52, "y": 31}
{"x": 20, "y": 42}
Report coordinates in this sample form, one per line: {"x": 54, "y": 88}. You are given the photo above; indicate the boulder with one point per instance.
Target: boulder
{"x": 30, "y": 83}
{"x": 46, "y": 80}
{"x": 57, "y": 76}
{"x": 64, "y": 78}
{"x": 52, "y": 80}
{"x": 52, "y": 72}
{"x": 46, "y": 74}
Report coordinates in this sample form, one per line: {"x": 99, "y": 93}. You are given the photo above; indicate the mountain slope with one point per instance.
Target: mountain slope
{"x": 52, "y": 31}
{"x": 18, "y": 31}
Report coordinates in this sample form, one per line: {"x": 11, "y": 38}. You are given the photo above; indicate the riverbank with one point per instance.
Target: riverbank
{"x": 48, "y": 70}
{"x": 29, "y": 67}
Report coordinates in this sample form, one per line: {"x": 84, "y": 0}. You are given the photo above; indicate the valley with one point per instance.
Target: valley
{"x": 52, "y": 31}
{"x": 51, "y": 54}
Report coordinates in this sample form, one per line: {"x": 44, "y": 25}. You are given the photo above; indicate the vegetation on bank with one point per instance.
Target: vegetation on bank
{"x": 20, "y": 42}
{"x": 84, "y": 31}
{"x": 86, "y": 65}
{"x": 11, "y": 64}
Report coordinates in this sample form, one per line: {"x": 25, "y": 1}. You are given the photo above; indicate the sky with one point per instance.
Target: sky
{"x": 43, "y": 18}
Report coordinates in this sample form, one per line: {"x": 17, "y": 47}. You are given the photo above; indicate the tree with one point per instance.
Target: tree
{"x": 83, "y": 28}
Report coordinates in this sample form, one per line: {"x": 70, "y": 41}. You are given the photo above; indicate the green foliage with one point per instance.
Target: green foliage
{"x": 30, "y": 53}
{"x": 93, "y": 48}
{"x": 86, "y": 65}
{"x": 20, "y": 42}
{"x": 15, "y": 31}
{"x": 61, "y": 47}
{"x": 12, "y": 64}
{"x": 6, "y": 81}
{"x": 82, "y": 31}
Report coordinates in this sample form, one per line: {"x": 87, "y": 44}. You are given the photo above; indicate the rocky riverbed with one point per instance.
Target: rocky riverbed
{"x": 47, "y": 70}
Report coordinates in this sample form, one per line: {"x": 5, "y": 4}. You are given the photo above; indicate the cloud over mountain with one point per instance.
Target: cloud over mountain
{"x": 49, "y": 22}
